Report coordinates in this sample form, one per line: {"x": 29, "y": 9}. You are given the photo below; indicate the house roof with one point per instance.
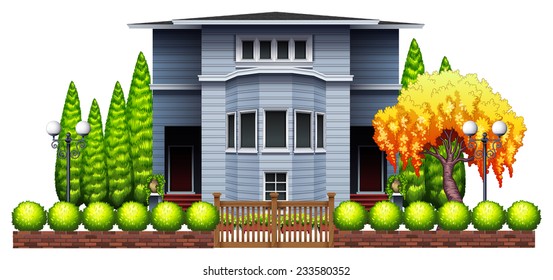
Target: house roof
{"x": 275, "y": 18}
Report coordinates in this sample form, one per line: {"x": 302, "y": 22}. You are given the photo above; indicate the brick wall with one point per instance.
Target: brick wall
{"x": 435, "y": 239}
{"x": 113, "y": 239}
{"x": 204, "y": 239}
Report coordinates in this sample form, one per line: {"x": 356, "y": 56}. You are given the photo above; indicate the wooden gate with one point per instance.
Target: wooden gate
{"x": 274, "y": 223}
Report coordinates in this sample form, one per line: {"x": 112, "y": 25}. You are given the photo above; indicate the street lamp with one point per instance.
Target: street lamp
{"x": 499, "y": 128}
{"x": 83, "y": 128}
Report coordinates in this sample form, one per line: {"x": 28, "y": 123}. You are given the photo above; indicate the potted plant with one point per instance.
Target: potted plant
{"x": 156, "y": 189}
{"x": 396, "y": 188}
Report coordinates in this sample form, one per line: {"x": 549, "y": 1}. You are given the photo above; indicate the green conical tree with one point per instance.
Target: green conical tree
{"x": 117, "y": 145}
{"x": 414, "y": 66}
{"x": 415, "y": 189}
{"x": 71, "y": 115}
{"x": 94, "y": 175}
{"x": 445, "y": 65}
{"x": 139, "y": 119}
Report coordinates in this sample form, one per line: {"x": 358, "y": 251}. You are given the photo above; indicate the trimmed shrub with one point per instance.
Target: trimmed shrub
{"x": 29, "y": 215}
{"x": 385, "y": 215}
{"x": 420, "y": 215}
{"x": 98, "y": 216}
{"x": 64, "y": 216}
{"x": 488, "y": 215}
{"x": 523, "y": 215}
{"x": 350, "y": 215}
{"x": 167, "y": 216}
{"x": 132, "y": 216}
{"x": 453, "y": 215}
{"x": 202, "y": 215}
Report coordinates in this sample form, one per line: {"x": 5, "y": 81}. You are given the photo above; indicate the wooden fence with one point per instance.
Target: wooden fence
{"x": 275, "y": 223}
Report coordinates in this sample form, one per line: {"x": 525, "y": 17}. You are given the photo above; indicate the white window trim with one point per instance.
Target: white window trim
{"x": 271, "y": 149}
{"x": 239, "y": 142}
{"x": 303, "y": 150}
{"x": 231, "y": 149}
{"x": 265, "y": 184}
{"x": 318, "y": 149}
{"x": 274, "y": 52}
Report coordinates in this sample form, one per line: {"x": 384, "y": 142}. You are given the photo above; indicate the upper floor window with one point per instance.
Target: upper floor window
{"x": 276, "y": 129}
{"x": 278, "y": 49}
{"x": 248, "y": 131}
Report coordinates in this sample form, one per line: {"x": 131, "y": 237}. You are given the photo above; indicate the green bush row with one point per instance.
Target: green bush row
{"x": 98, "y": 216}
{"x": 487, "y": 215}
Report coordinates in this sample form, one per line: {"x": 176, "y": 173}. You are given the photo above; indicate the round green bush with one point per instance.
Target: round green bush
{"x": 202, "y": 215}
{"x": 167, "y": 216}
{"x": 385, "y": 215}
{"x": 420, "y": 215}
{"x": 488, "y": 215}
{"x": 453, "y": 215}
{"x": 523, "y": 215}
{"x": 98, "y": 216}
{"x": 29, "y": 215}
{"x": 132, "y": 216}
{"x": 64, "y": 216}
{"x": 350, "y": 215}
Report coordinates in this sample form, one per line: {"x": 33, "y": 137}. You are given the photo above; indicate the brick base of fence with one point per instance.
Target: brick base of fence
{"x": 203, "y": 239}
{"x": 113, "y": 239}
{"x": 435, "y": 239}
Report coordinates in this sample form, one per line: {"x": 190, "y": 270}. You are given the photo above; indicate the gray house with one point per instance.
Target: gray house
{"x": 250, "y": 104}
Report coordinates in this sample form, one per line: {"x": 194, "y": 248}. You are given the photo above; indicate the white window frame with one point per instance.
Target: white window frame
{"x": 317, "y": 148}
{"x": 265, "y": 184}
{"x": 239, "y": 134}
{"x": 303, "y": 150}
{"x": 231, "y": 149}
{"x": 273, "y": 149}
{"x": 274, "y": 52}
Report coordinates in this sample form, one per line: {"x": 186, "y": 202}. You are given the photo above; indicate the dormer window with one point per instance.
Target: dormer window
{"x": 274, "y": 49}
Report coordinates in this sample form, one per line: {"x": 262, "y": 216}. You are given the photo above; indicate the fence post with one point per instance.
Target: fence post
{"x": 331, "y": 196}
{"x": 274, "y": 210}
{"x": 216, "y": 235}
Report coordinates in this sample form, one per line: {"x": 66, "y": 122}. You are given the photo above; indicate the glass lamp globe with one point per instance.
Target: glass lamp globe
{"x": 499, "y": 128}
{"x": 53, "y": 128}
{"x": 470, "y": 128}
{"x": 83, "y": 128}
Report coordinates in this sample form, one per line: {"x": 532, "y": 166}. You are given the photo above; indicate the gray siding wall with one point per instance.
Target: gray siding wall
{"x": 245, "y": 172}
{"x": 365, "y": 104}
{"x": 331, "y": 46}
{"x": 177, "y": 56}
{"x": 172, "y": 108}
{"x": 375, "y": 56}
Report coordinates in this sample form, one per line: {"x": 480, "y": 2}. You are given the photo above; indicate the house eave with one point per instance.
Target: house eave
{"x": 275, "y": 70}
{"x": 276, "y": 22}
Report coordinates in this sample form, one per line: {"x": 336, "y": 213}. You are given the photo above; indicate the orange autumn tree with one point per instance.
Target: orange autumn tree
{"x": 432, "y": 111}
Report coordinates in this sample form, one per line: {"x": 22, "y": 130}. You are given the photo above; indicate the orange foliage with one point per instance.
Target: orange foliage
{"x": 439, "y": 102}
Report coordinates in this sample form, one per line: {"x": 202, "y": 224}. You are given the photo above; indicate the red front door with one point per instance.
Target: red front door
{"x": 180, "y": 169}
{"x": 370, "y": 169}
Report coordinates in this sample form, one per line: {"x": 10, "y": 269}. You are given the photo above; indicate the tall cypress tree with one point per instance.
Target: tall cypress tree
{"x": 414, "y": 66}
{"x": 71, "y": 115}
{"x": 139, "y": 118}
{"x": 117, "y": 145}
{"x": 94, "y": 176}
{"x": 445, "y": 65}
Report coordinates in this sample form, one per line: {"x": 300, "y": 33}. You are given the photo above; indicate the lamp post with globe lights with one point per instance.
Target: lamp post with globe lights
{"x": 499, "y": 128}
{"x": 83, "y": 128}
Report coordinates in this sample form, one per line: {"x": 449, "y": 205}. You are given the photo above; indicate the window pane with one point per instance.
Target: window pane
{"x": 320, "y": 131}
{"x": 267, "y": 196}
{"x": 275, "y": 129}
{"x": 282, "y": 50}
{"x": 270, "y": 177}
{"x": 281, "y": 177}
{"x": 281, "y": 196}
{"x": 270, "y": 186}
{"x": 300, "y": 49}
{"x": 230, "y": 131}
{"x": 247, "y": 49}
{"x": 265, "y": 49}
{"x": 247, "y": 130}
{"x": 303, "y": 130}
{"x": 281, "y": 187}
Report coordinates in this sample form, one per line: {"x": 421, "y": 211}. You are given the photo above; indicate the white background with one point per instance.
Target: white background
{"x": 46, "y": 44}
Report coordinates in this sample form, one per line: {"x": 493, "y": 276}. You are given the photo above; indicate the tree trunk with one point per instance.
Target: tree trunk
{"x": 450, "y": 187}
